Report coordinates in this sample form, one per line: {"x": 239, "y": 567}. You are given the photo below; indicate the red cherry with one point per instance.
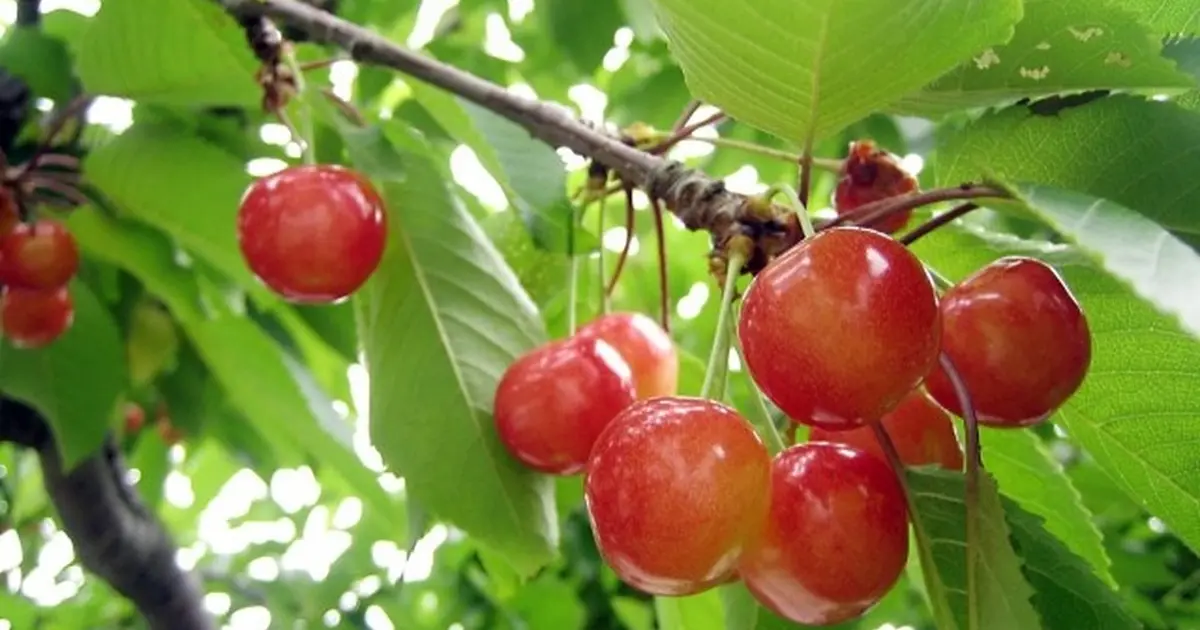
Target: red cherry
{"x": 312, "y": 233}
{"x": 33, "y": 318}
{"x": 675, "y": 488}
{"x": 836, "y": 537}
{"x": 41, "y": 255}
{"x": 921, "y": 431}
{"x": 870, "y": 174}
{"x": 645, "y": 346}
{"x": 837, "y": 330}
{"x": 553, "y": 402}
{"x": 1018, "y": 338}
{"x": 135, "y": 418}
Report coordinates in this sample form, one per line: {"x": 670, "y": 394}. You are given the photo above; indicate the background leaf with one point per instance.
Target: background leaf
{"x": 440, "y": 321}
{"x": 814, "y": 68}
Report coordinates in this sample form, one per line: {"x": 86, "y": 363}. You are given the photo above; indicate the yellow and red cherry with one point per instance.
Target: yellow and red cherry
{"x": 33, "y": 318}
{"x": 645, "y": 346}
{"x": 39, "y": 255}
{"x": 921, "y": 431}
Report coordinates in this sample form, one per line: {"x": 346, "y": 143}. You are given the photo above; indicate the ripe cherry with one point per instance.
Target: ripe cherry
{"x": 645, "y": 346}
{"x": 921, "y": 431}
{"x": 675, "y": 488}
{"x": 1018, "y": 339}
{"x": 836, "y": 537}
{"x": 135, "y": 418}
{"x": 312, "y": 233}
{"x": 553, "y": 402}
{"x": 41, "y": 255}
{"x": 837, "y": 330}
{"x": 33, "y": 318}
{"x": 870, "y": 174}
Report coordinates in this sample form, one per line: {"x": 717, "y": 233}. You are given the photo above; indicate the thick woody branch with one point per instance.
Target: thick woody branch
{"x": 113, "y": 534}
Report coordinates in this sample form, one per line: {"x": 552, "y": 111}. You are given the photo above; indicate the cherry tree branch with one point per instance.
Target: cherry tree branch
{"x": 113, "y": 534}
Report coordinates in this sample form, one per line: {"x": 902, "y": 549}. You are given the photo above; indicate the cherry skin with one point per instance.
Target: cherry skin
{"x": 135, "y": 418}
{"x": 554, "y": 401}
{"x": 34, "y": 318}
{"x": 645, "y": 346}
{"x": 838, "y": 329}
{"x": 1019, "y": 340}
{"x": 675, "y": 488}
{"x": 835, "y": 539}
{"x": 870, "y": 174}
{"x": 41, "y": 255}
{"x": 921, "y": 431}
{"x": 312, "y": 233}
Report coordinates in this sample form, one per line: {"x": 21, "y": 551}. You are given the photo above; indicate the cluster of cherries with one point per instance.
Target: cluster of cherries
{"x": 842, "y": 332}
{"x": 37, "y": 261}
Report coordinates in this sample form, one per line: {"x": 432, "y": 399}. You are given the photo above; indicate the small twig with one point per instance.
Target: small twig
{"x": 349, "y": 111}
{"x": 689, "y": 110}
{"x": 664, "y": 294}
{"x": 974, "y": 464}
{"x": 824, "y": 164}
{"x": 629, "y": 220}
{"x": 57, "y": 187}
{"x": 683, "y": 133}
{"x": 876, "y": 210}
{"x": 937, "y": 222}
{"x": 317, "y": 65}
{"x": 53, "y": 128}
{"x": 806, "y": 166}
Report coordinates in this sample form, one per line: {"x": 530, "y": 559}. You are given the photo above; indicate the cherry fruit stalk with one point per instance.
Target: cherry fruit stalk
{"x": 312, "y": 233}
{"x": 676, "y": 487}
{"x": 1019, "y": 340}
{"x": 645, "y": 346}
{"x": 837, "y": 330}
{"x": 921, "y": 431}
{"x": 835, "y": 539}
{"x": 553, "y": 402}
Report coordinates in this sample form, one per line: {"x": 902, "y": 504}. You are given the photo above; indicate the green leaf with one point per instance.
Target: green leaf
{"x": 1075, "y": 150}
{"x": 75, "y": 382}
{"x": 1059, "y": 46}
{"x": 1158, "y": 267}
{"x": 1164, "y": 17}
{"x": 527, "y": 169}
{"x": 1139, "y": 435}
{"x": 694, "y": 612}
{"x": 180, "y": 52}
{"x": 148, "y": 172}
{"x": 582, "y": 31}
{"x": 797, "y": 70}
{"x": 1029, "y": 474}
{"x": 440, "y": 321}
{"x": 1004, "y": 595}
{"x": 42, "y": 61}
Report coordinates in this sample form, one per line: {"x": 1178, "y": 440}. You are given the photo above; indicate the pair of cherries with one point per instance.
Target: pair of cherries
{"x": 37, "y": 262}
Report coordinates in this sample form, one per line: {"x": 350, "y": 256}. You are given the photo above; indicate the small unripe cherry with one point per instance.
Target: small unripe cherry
{"x": 645, "y": 346}
{"x": 312, "y": 233}
{"x": 33, "y": 318}
{"x": 40, "y": 255}
{"x": 554, "y": 401}
{"x": 675, "y": 489}
{"x": 135, "y": 418}
{"x": 921, "y": 431}
{"x": 835, "y": 539}
{"x": 1019, "y": 340}
{"x": 838, "y": 329}
{"x": 870, "y": 174}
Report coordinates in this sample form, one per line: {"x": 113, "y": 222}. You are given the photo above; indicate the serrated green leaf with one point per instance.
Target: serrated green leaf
{"x": 812, "y": 68}
{"x": 1005, "y": 598}
{"x": 1158, "y": 267}
{"x": 75, "y": 382}
{"x": 148, "y": 172}
{"x": 181, "y": 52}
{"x": 1060, "y": 46}
{"x": 1075, "y": 150}
{"x": 1028, "y": 474}
{"x": 1139, "y": 434}
{"x": 528, "y": 170}
{"x": 42, "y": 61}
{"x": 1164, "y": 17}
{"x": 440, "y": 321}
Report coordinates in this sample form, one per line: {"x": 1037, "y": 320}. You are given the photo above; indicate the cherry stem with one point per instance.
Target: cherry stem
{"x": 573, "y": 273}
{"x": 761, "y": 418}
{"x": 62, "y": 189}
{"x": 824, "y": 164}
{"x": 718, "y": 359}
{"x": 349, "y": 111}
{"x": 878, "y": 210}
{"x": 317, "y": 65}
{"x": 664, "y": 294}
{"x": 937, "y": 222}
{"x": 612, "y": 283}
{"x": 689, "y": 110}
{"x": 310, "y": 157}
{"x": 971, "y": 498}
{"x": 806, "y": 225}
{"x": 683, "y": 133}
{"x": 57, "y": 124}
{"x": 602, "y": 276}
{"x": 805, "y": 180}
